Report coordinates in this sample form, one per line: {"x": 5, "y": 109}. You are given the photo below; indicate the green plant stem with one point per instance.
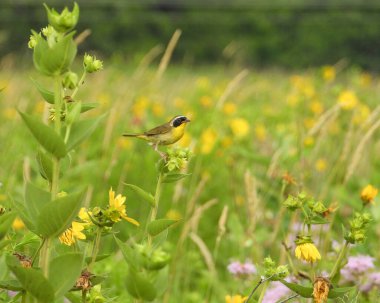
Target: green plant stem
{"x": 95, "y": 248}
{"x": 263, "y": 290}
{"x": 84, "y": 295}
{"x": 44, "y": 256}
{"x": 157, "y": 195}
{"x": 339, "y": 260}
{"x": 45, "y": 253}
{"x": 67, "y": 134}
{"x": 79, "y": 83}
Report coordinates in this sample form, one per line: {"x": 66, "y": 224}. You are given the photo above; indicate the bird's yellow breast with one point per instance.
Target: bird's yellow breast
{"x": 173, "y": 135}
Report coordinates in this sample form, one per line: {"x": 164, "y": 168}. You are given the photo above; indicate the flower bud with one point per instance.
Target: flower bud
{"x": 319, "y": 208}
{"x": 70, "y": 80}
{"x": 32, "y": 40}
{"x": 91, "y": 64}
{"x": 65, "y": 21}
{"x": 292, "y": 203}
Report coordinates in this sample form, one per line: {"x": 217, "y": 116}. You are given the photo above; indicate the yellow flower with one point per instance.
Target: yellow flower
{"x": 365, "y": 79}
{"x": 321, "y": 165}
{"x": 328, "y": 73}
{"x": 347, "y": 100}
{"x": 140, "y": 106}
{"x": 117, "y": 208}
{"x": 260, "y": 132}
{"x": 309, "y": 141}
{"x": 306, "y": 250}
{"x": 203, "y": 82}
{"x": 316, "y": 107}
{"x": 206, "y": 101}
{"x": 309, "y": 122}
{"x": 208, "y": 140}
{"x": 361, "y": 114}
{"x": 368, "y": 194}
{"x": 69, "y": 236}
{"x": 239, "y": 127}
{"x": 157, "y": 109}
{"x": 18, "y": 224}
{"x": 226, "y": 142}
{"x": 235, "y": 299}
{"x": 174, "y": 214}
{"x": 124, "y": 144}
{"x": 292, "y": 100}
{"x": 179, "y": 103}
{"x": 84, "y": 215}
{"x": 229, "y": 108}
{"x": 9, "y": 113}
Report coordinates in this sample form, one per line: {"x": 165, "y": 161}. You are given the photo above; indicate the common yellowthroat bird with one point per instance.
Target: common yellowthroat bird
{"x": 164, "y": 134}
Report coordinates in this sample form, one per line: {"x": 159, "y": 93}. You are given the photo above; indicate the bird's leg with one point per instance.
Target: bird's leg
{"x": 162, "y": 155}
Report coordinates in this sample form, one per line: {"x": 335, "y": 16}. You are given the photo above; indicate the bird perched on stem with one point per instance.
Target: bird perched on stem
{"x": 165, "y": 134}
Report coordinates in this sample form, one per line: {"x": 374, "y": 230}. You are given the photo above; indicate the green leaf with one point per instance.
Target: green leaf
{"x": 45, "y": 135}
{"x": 158, "y": 226}
{"x": 46, "y": 94}
{"x": 338, "y": 292}
{"x": 24, "y": 215}
{"x": 82, "y": 130}
{"x": 169, "y": 178}
{"x": 45, "y": 165}
{"x": 64, "y": 270}
{"x": 6, "y": 221}
{"x": 57, "y": 215}
{"x": 33, "y": 281}
{"x": 142, "y": 194}
{"x": 129, "y": 254}
{"x": 318, "y": 220}
{"x": 140, "y": 287}
{"x": 74, "y": 112}
{"x": 35, "y": 200}
{"x": 13, "y": 285}
{"x": 98, "y": 258}
{"x": 305, "y": 292}
{"x": 88, "y": 106}
{"x": 55, "y": 59}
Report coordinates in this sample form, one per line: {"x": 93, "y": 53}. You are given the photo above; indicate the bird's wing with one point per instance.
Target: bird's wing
{"x": 162, "y": 129}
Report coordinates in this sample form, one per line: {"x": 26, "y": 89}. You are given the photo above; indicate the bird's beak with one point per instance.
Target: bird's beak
{"x": 187, "y": 120}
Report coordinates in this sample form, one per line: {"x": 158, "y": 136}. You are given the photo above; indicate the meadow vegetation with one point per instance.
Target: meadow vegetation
{"x": 270, "y": 194}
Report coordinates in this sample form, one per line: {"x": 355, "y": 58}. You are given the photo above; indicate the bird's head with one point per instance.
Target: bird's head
{"x": 178, "y": 121}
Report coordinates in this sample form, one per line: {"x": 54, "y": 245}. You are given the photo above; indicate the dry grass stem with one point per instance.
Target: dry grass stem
{"x": 231, "y": 87}
{"x": 359, "y": 151}
{"x": 323, "y": 120}
{"x": 147, "y": 60}
{"x": 82, "y": 36}
{"x": 205, "y": 252}
{"x": 168, "y": 53}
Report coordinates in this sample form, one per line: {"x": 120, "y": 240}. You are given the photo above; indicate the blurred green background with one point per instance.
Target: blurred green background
{"x": 293, "y": 34}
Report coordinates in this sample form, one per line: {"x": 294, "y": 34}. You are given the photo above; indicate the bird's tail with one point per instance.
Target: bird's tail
{"x": 141, "y": 136}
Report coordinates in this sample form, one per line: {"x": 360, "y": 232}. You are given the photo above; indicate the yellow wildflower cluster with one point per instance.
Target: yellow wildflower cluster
{"x": 117, "y": 208}
{"x": 208, "y": 140}
{"x": 306, "y": 250}
{"x": 239, "y": 127}
{"x": 235, "y": 299}
{"x": 73, "y": 233}
{"x": 348, "y": 100}
{"x": 368, "y": 194}
{"x": 328, "y": 73}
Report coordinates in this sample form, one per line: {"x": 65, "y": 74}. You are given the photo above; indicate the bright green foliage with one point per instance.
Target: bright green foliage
{"x": 45, "y": 135}
{"x": 157, "y": 226}
{"x": 64, "y": 271}
{"x": 57, "y": 215}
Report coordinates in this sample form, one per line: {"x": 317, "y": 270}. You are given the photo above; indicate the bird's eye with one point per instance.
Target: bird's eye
{"x": 177, "y": 122}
